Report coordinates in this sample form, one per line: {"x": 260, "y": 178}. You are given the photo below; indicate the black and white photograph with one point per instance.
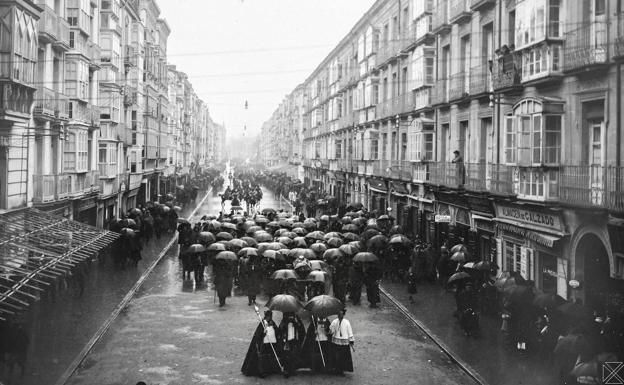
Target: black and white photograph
{"x": 366, "y": 192}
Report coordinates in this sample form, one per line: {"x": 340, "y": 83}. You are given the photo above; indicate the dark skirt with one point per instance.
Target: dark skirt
{"x": 316, "y": 361}
{"x": 342, "y": 358}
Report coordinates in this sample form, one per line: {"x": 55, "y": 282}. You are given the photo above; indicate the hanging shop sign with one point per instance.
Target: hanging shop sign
{"x": 542, "y": 220}
{"x": 442, "y": 218}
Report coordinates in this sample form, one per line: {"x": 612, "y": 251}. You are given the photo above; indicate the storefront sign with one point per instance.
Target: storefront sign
{"x": 540, "y": 219}
{"x": 440, "y": 218}
{"x": 540, "y": 239}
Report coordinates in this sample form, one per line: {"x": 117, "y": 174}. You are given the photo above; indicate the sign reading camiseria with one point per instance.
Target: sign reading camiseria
{"x": 533, "y": 217}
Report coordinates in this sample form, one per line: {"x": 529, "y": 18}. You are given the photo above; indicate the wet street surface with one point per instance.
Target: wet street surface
{"x": 61, "y": 324}
{"x": 174, "y": 333}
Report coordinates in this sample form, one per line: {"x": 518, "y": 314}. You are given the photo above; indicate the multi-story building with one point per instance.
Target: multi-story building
{"x": 86, "y": 127}
{"x": 528, "y": 93}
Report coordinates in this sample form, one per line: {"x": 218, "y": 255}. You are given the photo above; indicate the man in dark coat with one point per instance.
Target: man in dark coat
{"x": 317, "y": 349}
{"x": 340, "y": 278}
{"x": 356, "y": 277}
{"x": 223, "y": 277}
{"x": 253, "y": 278}
{"x": 261, "y": 357}
{"x": 372, "y": 275}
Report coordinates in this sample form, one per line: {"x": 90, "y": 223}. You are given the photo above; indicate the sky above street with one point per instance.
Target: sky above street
{"x": 253, "y": 50}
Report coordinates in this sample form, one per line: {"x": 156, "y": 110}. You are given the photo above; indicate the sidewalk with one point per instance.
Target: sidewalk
{"x": 434, "y": 307}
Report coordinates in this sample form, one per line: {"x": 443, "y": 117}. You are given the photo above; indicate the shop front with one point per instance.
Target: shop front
{"x": 457, "y": 229}
{"x": 482, "y": 227}
{"x": 85, "y": 210}
{"x": 531, "y": 241}
{"x": 399, "y": 204}
{"x": 421, "y": 218}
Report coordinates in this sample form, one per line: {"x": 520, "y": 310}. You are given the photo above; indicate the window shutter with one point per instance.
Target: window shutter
{"x": 524, "y": 140}
{"x": 510, "y": 140}
{"x": 499, "y": 253}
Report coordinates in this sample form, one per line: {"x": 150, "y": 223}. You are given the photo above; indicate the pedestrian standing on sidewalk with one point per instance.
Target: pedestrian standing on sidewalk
{"x": 342, "y": 343}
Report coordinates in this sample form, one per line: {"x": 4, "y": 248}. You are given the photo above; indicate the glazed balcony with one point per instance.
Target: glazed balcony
{"x": 61, "y": 107}
{"x": 440, "y": 22}
{"x": 47, "y": 25}
{"x": 476, "y": 176}
{"x": 134, "y": 180}
{"x": 44, "y": 188}
{"x": 107, "y": 171}
{"x": 130, "y": 96}
{"x": 585, "y": 46}
{"x": 420, "y": 172}
{"x": 45, "y": 100}
{"x": 480, "y": 80}
{"x": 388, "y": 50}
{"x": 439, "y": 93}
{"x": 458, "y": 87}
{"x": 478, "y": 5}
{"x": 459, "y": 11}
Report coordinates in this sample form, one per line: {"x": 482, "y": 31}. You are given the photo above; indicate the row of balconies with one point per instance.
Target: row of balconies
{"x": 50, "y": 105}
{"x": 50, "y": 188}
{"x": 573, "y": 185}
{"x": 53, "y": 29}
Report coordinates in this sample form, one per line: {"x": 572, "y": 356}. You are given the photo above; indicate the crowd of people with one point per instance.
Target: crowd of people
{"x": 287, "y": 254}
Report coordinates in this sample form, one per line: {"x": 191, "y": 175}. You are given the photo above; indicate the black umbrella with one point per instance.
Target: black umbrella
{"x": 128, "y": 233}
{"x": 284, "y": 274}
{"x": 247, "y": 252}
{"x": 459, "y": 277}
{"x": 345, "y": 220}
{"x": 332, "y": 234}
{"x": 324, "y": 305}
{"x": 223, "y": 236}
{"x": 273, "y": 254}
{"x": 299, "y": 242}
{"x": 377, "y": 242}
{"x": 459, "y": 247}
{"x": 310, "y": 226}
{"x": 263, "y": 237}
{"x": 318, "y": 248}
{"x": 300, "y": 231}
{"x": 250, "y": 241}
{"x": 316, "y": 235}
{"x": 216, "y": 247}
{"x": 349, "y": 250}
{"x": 285, "y": 241}
{"x": 332, "y": 254}
{"x": 318, "y": 265}
{"x": 196, "y": 248}
{"x": 365, "y": 257}
{"x": 285, "y": 303}
{"x": 399, "y": 239}
{"x": 268, "y": 211}
{"x": 368, "y": 234}
{"x": 238, "y": 243}
{"x": 227, "y": 256}
{"x": 350, "y": 228}
{"x": 350, "y": 237}
{"x": 206, "y": 237}
{"x": 334, "y": 243}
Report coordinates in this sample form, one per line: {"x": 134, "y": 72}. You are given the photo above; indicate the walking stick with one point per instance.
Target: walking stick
{"x": 319, "y": 342}
{"x": 270, "y": 343}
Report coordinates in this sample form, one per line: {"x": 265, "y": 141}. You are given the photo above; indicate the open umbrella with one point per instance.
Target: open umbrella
{"x": 310, "y": 226}
{"x": 206, "y": 237}
{"x": 318, "y": 265}
{"x": 284, "y": 274}
{"x": 359, "y": 221}
{"x": 248, "y": 224}
{"x": 223, "y": 236}
{"x": 345, "y": 220}
{"x": 238, "y": 243}
{"x": 355, "y": 206}
{"x": 332, "y": 234}
{"x": 262, "y": 221}
{"x": 383, "y": 217}
{"x": 128, "y": 233}
{"x": 299, "y": 242}
{"x": 485, "y": 266}
{"x": 301, "y": 252}
{"x": 324, "y": 218}
{"x": 334, "y": 243}
{"x": 349, "y": 250}
{"x": 250, "y": 241}
{"x": 227, "y": 256}
{"x": 460, "y": 256}
{"x": 268, "y": 211}
{"x": 229, "y": 226}
{"x": 289, "y": 234}
{"x": 396, "y": 229}
{"x": 399, "y": 239}
{"x": 273, "y": 254}
{"x": 300, "y": 231}
{"x": 196, "y": 248}
{"x": 247, "y": 252}
{"x": 297, "y": 224}
{"x": 316, "y": 276}
{"x": 332, "y": 254}
{"x": 358, "y": 245}
{"x": 459, "y": 247}
{"x": 285, "y": 241}
{"x": 213, "y": 225}
{"x": 276, "y": 246}
{"x": 351, "y": 214}
{"x": 285, "y": 303}
{"x": 350, "y": 237}
{"x": 180, "y": 221}
{"x": 365, "y": 257}
{"x": 351, "y": 228}
{"x": 316, "y": 235}
{"x": 378, "y": 242}
{"x": 324, "y": 305}
{"x": 459, "y": 277}
{"x": 280, "y": 233}
{"x": 318, "y": 248}
{"x": 177, "y": 209}
{"x": 216, "y": 247}
{"x": 368, "y": 234}
{"x": 273, "y": 225}
{"x": 262, "y": 236}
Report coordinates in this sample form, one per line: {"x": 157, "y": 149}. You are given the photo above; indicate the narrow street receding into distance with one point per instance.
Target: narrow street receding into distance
{"x": 174, "y": 333}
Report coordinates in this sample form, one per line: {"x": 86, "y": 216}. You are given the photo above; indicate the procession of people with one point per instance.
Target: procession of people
{"x": 310, "y": 268}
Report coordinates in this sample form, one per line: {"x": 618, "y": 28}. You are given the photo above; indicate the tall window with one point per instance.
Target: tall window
{"x": 403, "y": 145}
{"x": 393, "y": 150}
{"x": 69, "y": 152}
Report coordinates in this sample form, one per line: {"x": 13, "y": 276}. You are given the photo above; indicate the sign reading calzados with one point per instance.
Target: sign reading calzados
{"x": 532, "y": 217}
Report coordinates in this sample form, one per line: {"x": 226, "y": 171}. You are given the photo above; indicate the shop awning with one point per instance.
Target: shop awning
{"x": 547, "y": 240}
{"x": 377, "y": 185}
{"x": 398, "y": 188}
{"x": 37, "y": 247}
